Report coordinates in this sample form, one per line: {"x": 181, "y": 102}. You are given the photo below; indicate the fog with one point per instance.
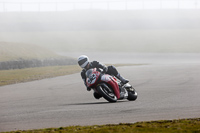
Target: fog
{"x": 96, "y": 30}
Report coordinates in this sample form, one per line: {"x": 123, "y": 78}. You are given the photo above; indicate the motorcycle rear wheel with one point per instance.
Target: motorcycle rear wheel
{"x": 107, "y": 93}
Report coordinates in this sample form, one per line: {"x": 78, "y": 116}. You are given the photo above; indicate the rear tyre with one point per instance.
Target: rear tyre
{"x": 107, "y": 93}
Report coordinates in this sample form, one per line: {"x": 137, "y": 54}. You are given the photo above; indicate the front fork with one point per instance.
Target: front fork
{"x": 123, "y": 91}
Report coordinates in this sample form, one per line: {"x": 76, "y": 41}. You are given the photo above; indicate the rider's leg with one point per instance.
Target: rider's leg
{"x": 113, "y": 71}
{"x": 122, "y": 79}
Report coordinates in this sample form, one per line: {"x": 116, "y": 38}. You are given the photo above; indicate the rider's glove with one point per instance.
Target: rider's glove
{"x": 105, "y": 69}
{"x": 88, "y": 89}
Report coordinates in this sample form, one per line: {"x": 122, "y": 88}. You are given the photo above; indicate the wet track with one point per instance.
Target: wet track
{"x": 165, "y": 91}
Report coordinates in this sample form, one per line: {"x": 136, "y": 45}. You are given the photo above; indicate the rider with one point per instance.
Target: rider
{"x": 84, "y": 63}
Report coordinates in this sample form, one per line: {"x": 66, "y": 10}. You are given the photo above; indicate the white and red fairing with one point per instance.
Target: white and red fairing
{"x": 93, "y": 80}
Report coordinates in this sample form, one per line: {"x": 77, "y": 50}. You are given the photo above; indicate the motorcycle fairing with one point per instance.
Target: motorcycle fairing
{"x": 113, "y": 84}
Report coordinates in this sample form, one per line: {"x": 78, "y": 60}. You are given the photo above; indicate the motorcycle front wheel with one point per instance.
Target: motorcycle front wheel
{"x": 107, "y": 93}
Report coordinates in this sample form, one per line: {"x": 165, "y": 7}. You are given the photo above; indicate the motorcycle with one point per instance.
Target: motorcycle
{"x": 109, "y": 87}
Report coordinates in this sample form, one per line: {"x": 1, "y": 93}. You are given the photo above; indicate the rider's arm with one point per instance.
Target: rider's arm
{"x": 84, "y": 79}
{"x": 83, "y": 76}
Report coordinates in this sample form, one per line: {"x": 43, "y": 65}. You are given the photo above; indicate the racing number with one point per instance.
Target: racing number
{"x": 91, "y": 78}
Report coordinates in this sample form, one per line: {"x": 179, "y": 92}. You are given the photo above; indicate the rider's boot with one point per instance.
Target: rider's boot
{"x": 122, "y": 79}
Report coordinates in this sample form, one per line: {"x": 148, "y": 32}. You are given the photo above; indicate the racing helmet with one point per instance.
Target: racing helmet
{"x": 83, "y": 60}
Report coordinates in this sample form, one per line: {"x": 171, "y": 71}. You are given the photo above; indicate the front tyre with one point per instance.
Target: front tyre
{"x": 107, "y": 93}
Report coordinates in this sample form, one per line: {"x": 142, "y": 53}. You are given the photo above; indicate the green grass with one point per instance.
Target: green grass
{"x": 163, "y": 126}
{"x": 30, "y": 74}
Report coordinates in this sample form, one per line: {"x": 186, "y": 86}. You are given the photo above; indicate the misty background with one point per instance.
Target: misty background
{"x": 153, "y": 26}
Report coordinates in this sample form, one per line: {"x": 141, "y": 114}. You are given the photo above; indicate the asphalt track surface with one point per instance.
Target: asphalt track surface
{"x": 165, "y": 91}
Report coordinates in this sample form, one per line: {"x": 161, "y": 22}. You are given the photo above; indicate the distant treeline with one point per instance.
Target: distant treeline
{"x": 20, "y": 64}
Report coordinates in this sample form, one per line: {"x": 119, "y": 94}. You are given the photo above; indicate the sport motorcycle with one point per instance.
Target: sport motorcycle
{"x": 109, "y": 87}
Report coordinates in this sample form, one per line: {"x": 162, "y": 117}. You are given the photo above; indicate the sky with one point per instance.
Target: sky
{"x": 77, "y": 25}
{"x": 67, "y": 5}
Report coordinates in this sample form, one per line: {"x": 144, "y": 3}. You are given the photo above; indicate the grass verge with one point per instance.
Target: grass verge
{"x": 30, "y": 74}
{"x": 164, "y": 126}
